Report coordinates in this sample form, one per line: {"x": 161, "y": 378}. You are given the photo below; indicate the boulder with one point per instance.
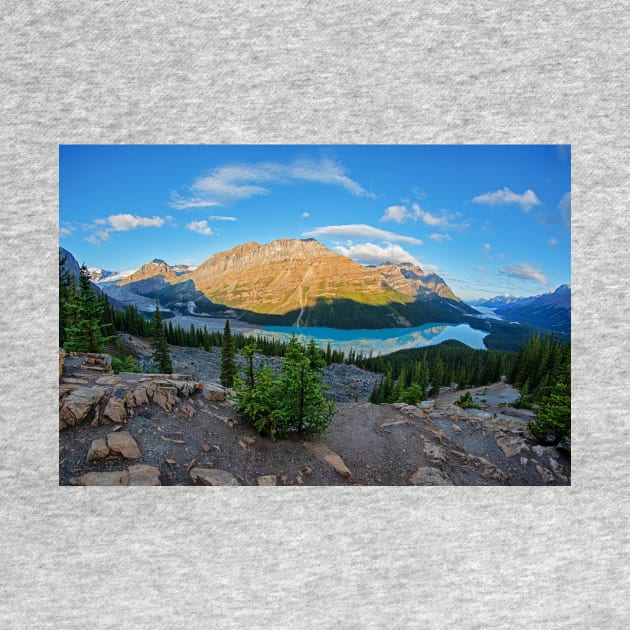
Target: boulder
{"x": 81, "y": 404}
{"x": 143, "y": 475}
{"x": 98, "y": 450}
{"x": 511, "y": 445}
{"x": 213, "y": 477}
{"x": 114, "y": 478}
{"x": 122, "y": 442}
{"x": 267, "y": 480}
{"x": 327, "y": 455}
{"x": 429, "y": 476}
{"x": 115, "y": 411}
{"x": 62, "y": 356}
{"x": 140, "y": 396}
{"x": 213, "y": 392}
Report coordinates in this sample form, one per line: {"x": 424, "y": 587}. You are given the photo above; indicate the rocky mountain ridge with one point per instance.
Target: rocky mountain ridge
{"x": 302, "y": 282}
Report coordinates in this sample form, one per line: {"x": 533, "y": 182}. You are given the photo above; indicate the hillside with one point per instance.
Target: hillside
{"x": 148, "y": 429}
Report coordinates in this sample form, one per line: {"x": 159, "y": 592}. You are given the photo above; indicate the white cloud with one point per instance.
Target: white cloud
{"x": 481, "y": 269}
{"x": 305, "y": 215}
{"x": 399, "y": 214}
{"x": 180, "y": 203}
{"x": 234, "y": 182}
{"x": 124, "y": 222}
{"x": 440, "y": 238}
{"x": 553, "y": 242}
{"x": 360, "y": 230}
{"x": 120, "y": 223}
{"x": 505, "y": 197}
{"x": 444, "y": 220}
{"x": 487, "y": 246}
{"x": 201, "y": 227}
{"x": 215, "y": 217}
{"x": 525, "y": 271}
{"x": 372, "y": 254}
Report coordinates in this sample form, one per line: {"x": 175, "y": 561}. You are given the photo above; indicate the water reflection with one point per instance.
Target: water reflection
{"x": 382, "y": 341}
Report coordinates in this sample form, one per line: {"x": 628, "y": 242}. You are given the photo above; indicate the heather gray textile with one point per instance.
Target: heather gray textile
{"x": 302, "y": 72}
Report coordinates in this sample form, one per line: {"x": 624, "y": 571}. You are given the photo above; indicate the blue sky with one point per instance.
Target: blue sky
{"x": 489, "y": 219}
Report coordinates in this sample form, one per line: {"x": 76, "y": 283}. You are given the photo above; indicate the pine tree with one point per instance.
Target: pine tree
{"x": 303, "y": 405}
{"x": 248, "y": 352}
{"x": 84, "y": 318}
{"x": 228, "y": 365}
{"x": 161, "y": 355}
{"x": 553, "y": 417}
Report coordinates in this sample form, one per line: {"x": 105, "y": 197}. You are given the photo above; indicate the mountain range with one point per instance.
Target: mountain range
{"x": 303, "y": 283}
{"x": 297, "y": 282}
{"x": 550, "y": 311}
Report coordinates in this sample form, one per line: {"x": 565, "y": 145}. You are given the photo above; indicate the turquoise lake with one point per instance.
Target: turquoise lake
{"x": 380, "y": 341}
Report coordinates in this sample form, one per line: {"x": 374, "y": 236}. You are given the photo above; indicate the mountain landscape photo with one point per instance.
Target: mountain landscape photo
{"x": 314, "y": 315}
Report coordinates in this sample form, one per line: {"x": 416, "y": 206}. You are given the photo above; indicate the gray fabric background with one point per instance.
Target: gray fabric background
{"x": 301, "y": 72}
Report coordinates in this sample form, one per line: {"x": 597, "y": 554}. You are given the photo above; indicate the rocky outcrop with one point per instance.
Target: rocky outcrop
{"x": 90, "y": 393}
{"x": 82, "y": 404}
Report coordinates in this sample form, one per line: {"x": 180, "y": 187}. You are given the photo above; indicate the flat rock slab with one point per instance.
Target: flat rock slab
{"x": 115, "y": 478}
{"x": 213, "y": 477}
{"x": 122, "y": 442}
{"x": 143, "y": 475}
{"x": 108, "y": 380}
{"x": 428, "y": 476}
{"x": 327, "y": 455}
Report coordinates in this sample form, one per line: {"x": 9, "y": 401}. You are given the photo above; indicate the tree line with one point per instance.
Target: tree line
{"x": 540, "y": 368}
{"x": 425, "y": 370}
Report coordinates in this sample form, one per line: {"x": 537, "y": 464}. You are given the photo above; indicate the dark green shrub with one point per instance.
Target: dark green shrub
{"x": 466, "y": 402}
{"x": 292, "y": 402}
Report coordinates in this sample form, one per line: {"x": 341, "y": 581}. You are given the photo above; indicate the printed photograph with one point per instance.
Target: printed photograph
{"x": 315, "y": 315}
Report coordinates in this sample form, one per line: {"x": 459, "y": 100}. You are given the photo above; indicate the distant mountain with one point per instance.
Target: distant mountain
{"x": 551, "y": 311}
{"x": 500, "y": 301}
{"x": 105, "y": 275}
{"x": 301, "y": 282}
